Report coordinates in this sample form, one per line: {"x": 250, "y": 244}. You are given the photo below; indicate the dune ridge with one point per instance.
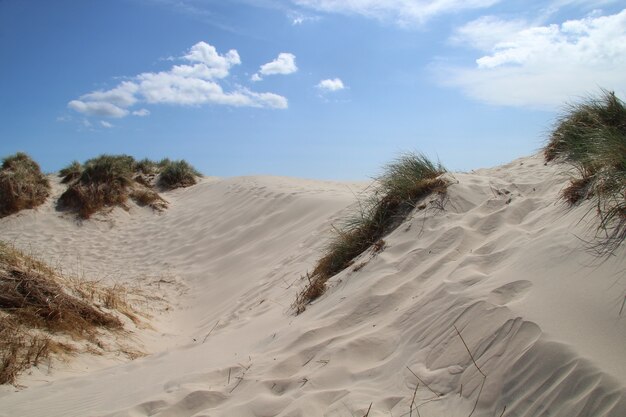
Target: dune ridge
{"x": 499, "y": 258}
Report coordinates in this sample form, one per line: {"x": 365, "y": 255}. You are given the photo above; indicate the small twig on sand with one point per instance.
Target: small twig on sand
{"x": 211, "y": 331}
{"x": 477, "y": 367}
{"x": 368, "y": 410}
{"x": 240, "y": 378}
{"x": 413, "y": 401}
{"x": 420, "y": 380}
{"x": 478, "y": 397}
{"x": 468, "y": 351}
{"x": 503, "y": 410}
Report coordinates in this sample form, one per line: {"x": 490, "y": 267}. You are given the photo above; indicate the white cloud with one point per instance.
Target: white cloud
{"x": 168, "y": 88}
{"x": 284, "y": 64}
{"x": 298, "y": 18}
{"x": 122, "y": 96}
{"x": 487, "y": 31}
{"x": 141, "y": 112}
{"x": 106, "y": 124}
{"x": 542, "y": 66}
{"x": 194, "y": 83}
{"x": 97, "y": 108}
{"x": 402, "y": 12}
{"x": 211, "y": 64}
{"x": 331, "y": 85}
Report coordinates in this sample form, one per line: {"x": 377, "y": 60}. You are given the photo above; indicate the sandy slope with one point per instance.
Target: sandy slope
{"x": 499, "y": 259}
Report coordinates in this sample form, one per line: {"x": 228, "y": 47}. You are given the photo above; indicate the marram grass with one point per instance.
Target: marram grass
{"x": 591, "y": 136}
{"x": 405, "y": 182}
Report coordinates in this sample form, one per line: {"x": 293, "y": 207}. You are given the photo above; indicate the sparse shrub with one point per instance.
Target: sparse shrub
{"x": 403, "y": 184}
{"x": 164, "y": 163}
{"x": 147, "y": 167}
{"x": 103, "y": 182}
{"x": 109, "y": 168}
{"x": 148, "y": 197}
{"x": 22, "y": 184}
{"x": 38, "y": 307}
{"x": 109, "y": 180}
{"x": 71, "y": 172}
{"x": 175, "y": 174}
{"x": 591, "y": 136}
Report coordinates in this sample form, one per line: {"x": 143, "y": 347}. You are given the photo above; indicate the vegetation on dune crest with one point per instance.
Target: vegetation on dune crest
{"x": 109, "y": 180}
{"x": 103, "y": 182}
{"x": 43, "y": 314}
{"x": 591, "y": 136}
{"x": 22, "y": 184}
{"x": 71, "y": 172}
{"x": 176, "y": 174}
{"x": 396, "y": 193}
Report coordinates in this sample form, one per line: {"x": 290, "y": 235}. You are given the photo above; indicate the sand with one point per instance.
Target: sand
{"x": 500, "y": 259}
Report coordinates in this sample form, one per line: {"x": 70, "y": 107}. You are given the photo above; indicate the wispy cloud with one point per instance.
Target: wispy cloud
{"x": 141, "y": 112}
{"x": 106, "y": 124}
{"x": 541, "y": 66}
{"x": 299, "y": 18}
{"x": 195, "y": 82}
{"x": 284, "y": 64}
{"x": 401, "y": 12}
{"x": 331, "y": 85}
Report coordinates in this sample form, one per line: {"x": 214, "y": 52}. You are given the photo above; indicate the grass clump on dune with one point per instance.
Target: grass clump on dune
{"x": 71, "y": 172}
{"x": 22, "y": 184}
{"x": 43, "y": 314}
{"x": 176, "y": 174}
{"x": 396, "y": 193}
{"x": 591, "y": 136}
{"x": 103, "y": 182}
{"x": 109, "y": 180}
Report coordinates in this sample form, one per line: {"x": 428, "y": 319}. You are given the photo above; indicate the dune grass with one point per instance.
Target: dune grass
{"x": 39, "y": 308}
{"x": 22, "y": 184}
{"x": 591, "y": 136}
{"x": 110, "y": 180}
{"x": 176, "y": 174}
{"x": 405, "y": 182}
{"x": 71, "y": 172}
{"x": 103, "y": 182}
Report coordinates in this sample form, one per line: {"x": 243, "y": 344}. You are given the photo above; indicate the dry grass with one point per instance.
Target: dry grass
{"x": 147, "y": 197}
{"x": 71, "y": 172}
{"x": 22, "y": 184}
{"x": 39, "y": 309}
{"x": 404, "y": 183}
{"x": 591, "y": 136}
{"x": 110, "y": 180}
{"x": 103, "y": 182}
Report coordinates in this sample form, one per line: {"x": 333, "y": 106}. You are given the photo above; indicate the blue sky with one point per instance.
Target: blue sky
{"x": 329, "y": 89}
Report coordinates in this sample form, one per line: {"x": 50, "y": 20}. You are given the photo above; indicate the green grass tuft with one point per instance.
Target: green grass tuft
{"x": 109, "y": 180}
{"x": 103, "y": 182}
{"x": 591, "y": 136}
{"x": 405, "y": 182}
{"x": 176, "y": 174}
{"x": 22, "y": 184}
{"x": 71, "y": 172}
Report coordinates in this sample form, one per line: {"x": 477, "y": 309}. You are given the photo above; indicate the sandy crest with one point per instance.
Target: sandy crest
{"x": 499, "y": 259}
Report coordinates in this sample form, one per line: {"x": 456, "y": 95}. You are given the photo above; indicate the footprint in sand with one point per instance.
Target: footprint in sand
{"x": 509, "y": 292}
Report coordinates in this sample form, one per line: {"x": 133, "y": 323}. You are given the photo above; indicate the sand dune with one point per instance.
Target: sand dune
{"x": 499, "y": 259}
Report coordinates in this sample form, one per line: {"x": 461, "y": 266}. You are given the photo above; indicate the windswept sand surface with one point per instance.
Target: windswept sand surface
{"x": 499, "y": 258}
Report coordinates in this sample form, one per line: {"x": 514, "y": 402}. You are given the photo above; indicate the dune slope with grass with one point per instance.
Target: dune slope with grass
{"x": 486, "y": 300}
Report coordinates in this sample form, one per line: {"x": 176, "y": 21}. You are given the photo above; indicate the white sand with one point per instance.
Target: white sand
{"x": 502, "y": 261}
